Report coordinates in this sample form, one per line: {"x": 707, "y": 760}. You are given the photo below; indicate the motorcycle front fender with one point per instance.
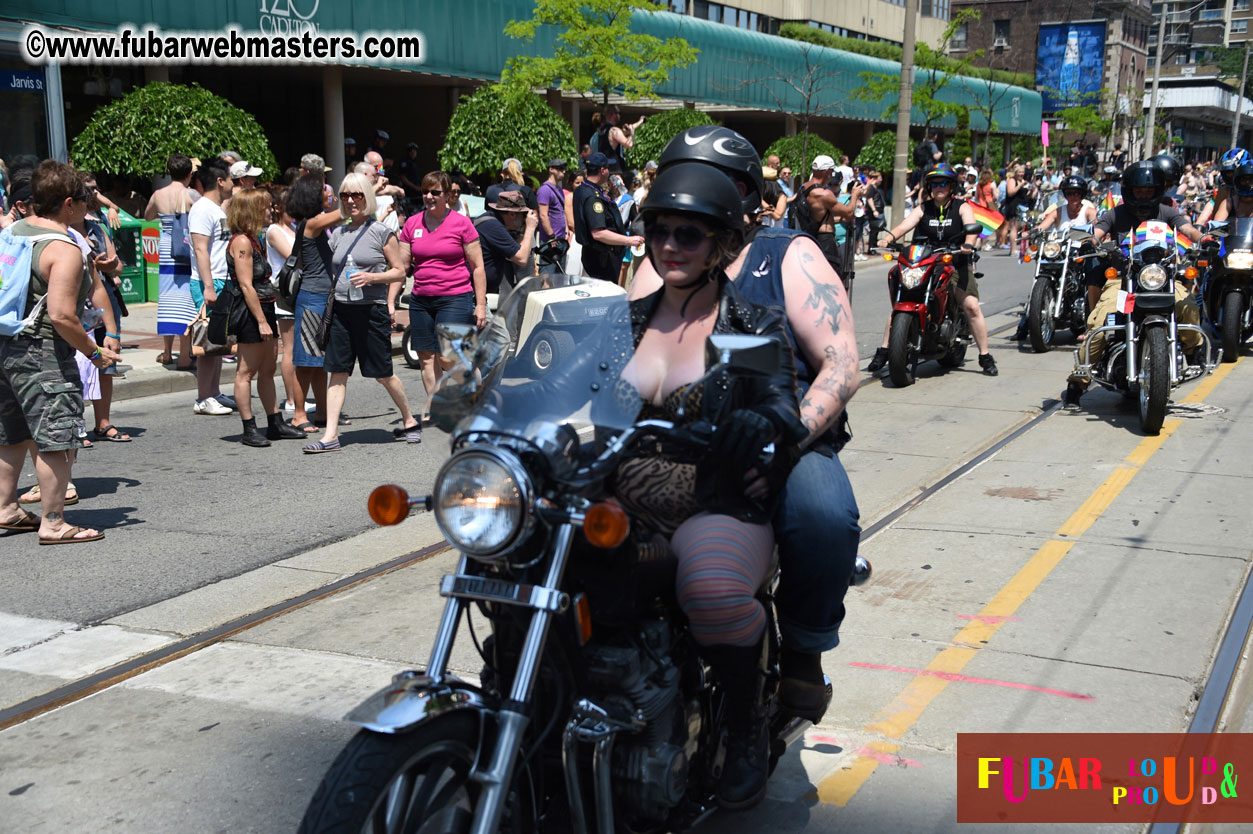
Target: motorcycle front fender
{"x": 914, "y": 308}
{"x": 413, "y": 699}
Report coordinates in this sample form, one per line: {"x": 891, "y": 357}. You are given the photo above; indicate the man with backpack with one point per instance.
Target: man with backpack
{"x": 43, "y": 285}
{"x": 926, "y": 153}
{"x": 822, "y": 211}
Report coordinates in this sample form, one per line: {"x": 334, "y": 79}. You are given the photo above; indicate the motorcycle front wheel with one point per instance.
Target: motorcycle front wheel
{"x": 900, "y": 349}
{"x": 1233, "y": 325}
{"x": 1154, "y": 380}
{"x": 1040, "y": 315}
{"x": 411, "y": 782}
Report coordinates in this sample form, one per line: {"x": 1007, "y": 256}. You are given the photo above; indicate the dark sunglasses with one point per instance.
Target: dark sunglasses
{"x": 434, "y": 192}
{"x": 351, "y": 195}
{"x": 1069, "y": 194}
{"x": 82, "y": 197}
{"x": 687, "y": 237}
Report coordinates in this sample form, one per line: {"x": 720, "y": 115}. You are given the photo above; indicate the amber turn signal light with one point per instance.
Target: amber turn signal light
{"x": 1026, "y": 258}
{"x": 1190, "y": 273}
{"x": 389, "y": 505}
{"x": 606, "y": 525}
{"x": 1202, "y": 263}
{"x": 948, "y": 259}
{"x": 887, "y": 257}
{"x": 1111, "y": 274}
{"x": 583, "y": 618}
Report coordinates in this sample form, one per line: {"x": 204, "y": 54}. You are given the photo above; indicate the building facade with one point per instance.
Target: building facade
{"x": 870, "y": 20}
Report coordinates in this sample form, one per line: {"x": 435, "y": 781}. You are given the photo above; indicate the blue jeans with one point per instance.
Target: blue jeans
{"x": 816, "y": 529}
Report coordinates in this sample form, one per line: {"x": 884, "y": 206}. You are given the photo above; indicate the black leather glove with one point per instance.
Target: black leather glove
{"x": 739, "y": 439}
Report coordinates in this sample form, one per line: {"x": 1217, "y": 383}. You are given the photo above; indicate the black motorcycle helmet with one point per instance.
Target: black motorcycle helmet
{"x": 1171, "y": 170}
{"x": 1143, "y": 174}
{"x": 724, "y": 149}
{"x": 1074, "y": 183}
{"x": 1242, "y": 179}
{"x": 700, "y": 191}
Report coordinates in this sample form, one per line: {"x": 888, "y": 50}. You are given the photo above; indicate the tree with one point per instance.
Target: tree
{"x": 487, "y": 127}
{"x": 1084, "y": 119}
{"x": 660, "y": 128}
{"x": 807, "y": 87}
{"x": 988, "y": 95}
{"x": 879, "y": 153}
{"x": 136, "y": 134}
{"x": 959, "y": 146}
{"x": 1230, "y": 61}
{"x": 595, "y": 51}
{"x": 933, "y": 71}
{"x": 792, "y": 151}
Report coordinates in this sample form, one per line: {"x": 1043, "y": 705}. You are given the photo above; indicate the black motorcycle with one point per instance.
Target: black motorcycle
{"x": 1058, "y": 300}
{"x": 594, "y": 710}
{"x": 1143, "y": 356}
{"x": 1229, "y": 284}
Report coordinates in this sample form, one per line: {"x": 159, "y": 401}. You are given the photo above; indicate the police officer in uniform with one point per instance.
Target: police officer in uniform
{"x": 598, "y": 225}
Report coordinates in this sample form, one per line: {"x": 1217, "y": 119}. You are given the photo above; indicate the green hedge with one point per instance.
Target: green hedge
{"x": 486, "y": 129}
{"x": 891, "y": 52}
{"x": 880, "y": 153}
{"x": 789, "y": 149}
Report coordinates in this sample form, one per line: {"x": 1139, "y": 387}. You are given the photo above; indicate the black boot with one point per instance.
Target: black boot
{"x": 988, "y": 364}
{"x": 803, "y": 687}
{"x": 279, "y": 430}
{"x": 879, "y": 362}
{"x": 252, "y": 437}
{"x": 746, "y": 766}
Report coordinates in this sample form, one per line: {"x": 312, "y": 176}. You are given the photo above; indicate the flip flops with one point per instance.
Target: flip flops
{"x": 306, "y": 427}
{"x": 31, "y": 496}
{"x": 317, "y": 447}
{"x": 29, "y": 524}
{"x": 69, "y": 537}
{"x": 118, "y": 435}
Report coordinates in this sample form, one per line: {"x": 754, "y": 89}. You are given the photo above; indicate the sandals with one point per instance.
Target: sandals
{"x": 117, "y": 436}
{"x": 317, "y": 447}
{"x": 306, "y": 427}
{"x": 29, "y": 524}
{"x": 412, "y": 434}
{"x": 70, "y": 536}
{"x": 31, "y": 496}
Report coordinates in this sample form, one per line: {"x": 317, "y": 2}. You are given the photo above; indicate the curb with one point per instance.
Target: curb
{"x": 139, "y": 384}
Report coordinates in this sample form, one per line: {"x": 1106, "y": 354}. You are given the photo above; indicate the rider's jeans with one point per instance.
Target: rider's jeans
{"x": 816, "y": 529}
{"x": 1186, "y": 312}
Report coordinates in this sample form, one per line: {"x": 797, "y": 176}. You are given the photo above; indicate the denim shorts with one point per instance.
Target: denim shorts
{"x": 426, "y": 311}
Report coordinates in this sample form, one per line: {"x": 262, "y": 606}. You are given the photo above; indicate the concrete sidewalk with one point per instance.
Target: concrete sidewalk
{"x": 141, "y": 346}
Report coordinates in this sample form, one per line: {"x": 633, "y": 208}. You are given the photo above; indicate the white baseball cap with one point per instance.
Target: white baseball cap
{"x": 822, "y": 162}
{"x": 245, "y": 169}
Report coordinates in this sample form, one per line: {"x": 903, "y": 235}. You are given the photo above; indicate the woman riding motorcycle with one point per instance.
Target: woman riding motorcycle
{"x": 1227, "y": 166}
{"x": 1073, "y": 209}
{"x": 716, "y": 512}
{"x": 1239, "y": 200}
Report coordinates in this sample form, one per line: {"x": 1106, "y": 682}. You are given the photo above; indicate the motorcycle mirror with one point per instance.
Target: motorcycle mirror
{"x": 972, "y": 228}
{"x": 751, "y": 355}
{"x": 1217, "y": 228}
{"x": 1079, "y": 235}
{"x": 456, "y": 340}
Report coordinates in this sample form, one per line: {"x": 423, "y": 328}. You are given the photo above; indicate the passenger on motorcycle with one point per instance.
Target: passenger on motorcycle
{"x": 939, "y": 221}
{"x": 1231, "y": 160}
{"x": 816, "y": 524}
{"x": 1143, "y": 187}
{"x": 1239, "y": 200}
{"x": 1074, "y": 209}
{"x": 693, "y": 221}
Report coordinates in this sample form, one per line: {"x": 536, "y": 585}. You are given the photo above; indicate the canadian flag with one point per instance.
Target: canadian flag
{"x": 1126, "y": 301}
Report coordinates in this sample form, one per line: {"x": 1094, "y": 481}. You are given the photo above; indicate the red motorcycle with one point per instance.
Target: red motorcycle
{"x": 927, "y": 321}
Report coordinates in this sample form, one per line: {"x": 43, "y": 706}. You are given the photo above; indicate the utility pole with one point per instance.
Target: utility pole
{"x": 900, "y": 173}
{"x": 1150, "y": 130}
{"x": 1244, "y": 74}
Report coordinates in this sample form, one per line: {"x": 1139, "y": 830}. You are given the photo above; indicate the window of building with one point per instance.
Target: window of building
{"x": 958, "y": 41}
{"x": 1239, "y": 27}
{"x": 1211, "y": 14}
{"x": 1000, "y": 31}
{"x": 678, "y": 6}
{"x": 1241, "y": 6}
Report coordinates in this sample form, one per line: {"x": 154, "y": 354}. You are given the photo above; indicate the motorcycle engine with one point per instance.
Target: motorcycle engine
{"x": 650, "y": 768}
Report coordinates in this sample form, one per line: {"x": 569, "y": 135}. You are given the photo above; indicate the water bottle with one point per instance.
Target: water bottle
{"x": 355, "y": 293}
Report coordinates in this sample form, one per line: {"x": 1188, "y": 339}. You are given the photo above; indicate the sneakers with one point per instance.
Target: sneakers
{"x": 988, "y": 364}
{"x": 879, "y": 362}
{"x": 1070, "y": 399}
{"x": 210, "y": 406}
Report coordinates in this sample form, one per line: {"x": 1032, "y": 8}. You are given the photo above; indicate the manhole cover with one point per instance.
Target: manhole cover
{"x": 1193, "y": 410}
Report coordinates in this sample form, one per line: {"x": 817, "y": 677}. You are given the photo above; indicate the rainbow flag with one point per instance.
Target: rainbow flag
{"x": 989, "y": 219}
{"x": 1183, "y": 243}
{"x": 1109, "y": 201}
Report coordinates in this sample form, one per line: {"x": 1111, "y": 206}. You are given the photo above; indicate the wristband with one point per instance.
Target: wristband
{"x": 95, "y": 355}
{"x": 117, "y": 336}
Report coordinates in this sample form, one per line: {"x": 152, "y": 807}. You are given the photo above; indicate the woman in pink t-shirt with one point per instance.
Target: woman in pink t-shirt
{"x": 440, "y": 248}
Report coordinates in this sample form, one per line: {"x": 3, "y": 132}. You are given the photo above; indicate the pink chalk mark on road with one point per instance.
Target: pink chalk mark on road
{"x": 866, "y": 752}
{"x": 984, "y": 618}
{"x": 953, "y": 676}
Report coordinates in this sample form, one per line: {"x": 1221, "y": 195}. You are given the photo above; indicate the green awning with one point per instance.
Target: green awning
{"x": 465, "y": 39}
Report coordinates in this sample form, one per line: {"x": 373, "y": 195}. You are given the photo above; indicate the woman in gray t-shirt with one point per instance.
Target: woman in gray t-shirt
{"x": 365, "y": 258}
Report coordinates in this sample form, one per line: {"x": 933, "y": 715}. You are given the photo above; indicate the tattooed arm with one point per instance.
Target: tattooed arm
{"x": 821, "y": 317}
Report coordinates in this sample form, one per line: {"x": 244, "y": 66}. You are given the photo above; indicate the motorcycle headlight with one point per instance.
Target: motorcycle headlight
{"x": 1052, "y": 250}
{"x": 912, "y": 276}
{"x": 481, "y": 501}
{"x": 1152, "y": 277}
{"x": 1240, "y": 260}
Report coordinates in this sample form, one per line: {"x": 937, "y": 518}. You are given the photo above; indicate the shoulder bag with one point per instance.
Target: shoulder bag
{"x": 287, "y": 281}
{"x": 180, "y": 236}
{"x": 230, "y": 312}
{"x": 324, "y": 326}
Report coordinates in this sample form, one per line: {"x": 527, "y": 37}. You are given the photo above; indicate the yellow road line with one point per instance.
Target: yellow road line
{"x": 906, "y": 708}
